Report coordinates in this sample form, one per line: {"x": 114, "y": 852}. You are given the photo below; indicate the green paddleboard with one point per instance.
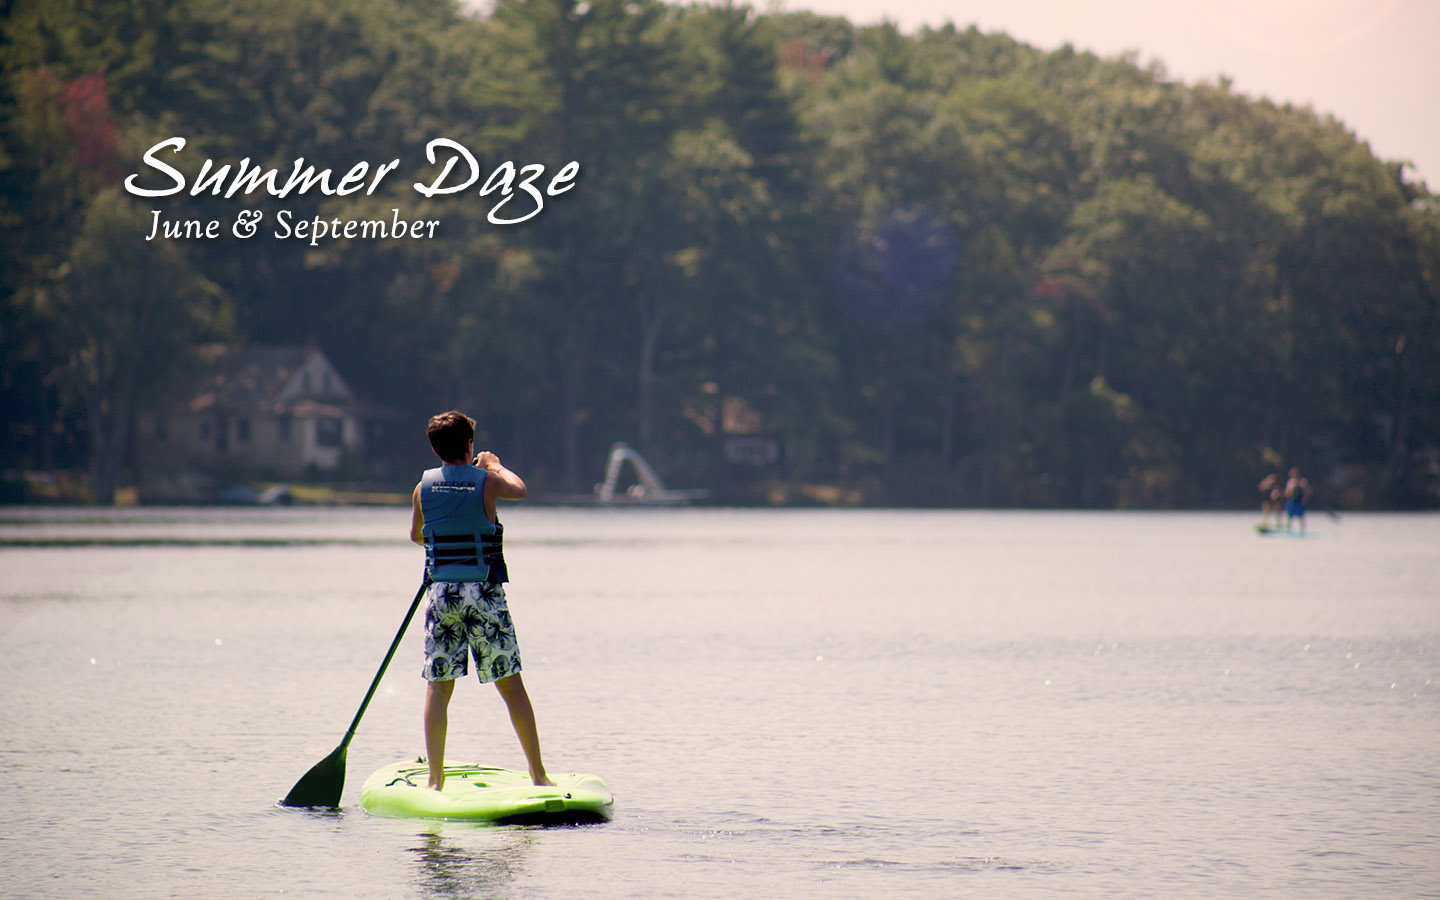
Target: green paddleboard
{"x": 486, "y": 794}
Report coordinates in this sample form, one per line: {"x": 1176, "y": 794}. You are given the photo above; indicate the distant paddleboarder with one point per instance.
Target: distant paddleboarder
{"x": 453, "y": 517}
{"x": 1297, "y": 494}
{"x": 1270, "y": 500}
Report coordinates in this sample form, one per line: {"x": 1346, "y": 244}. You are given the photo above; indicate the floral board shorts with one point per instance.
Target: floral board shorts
{"x": 464, "y": 618}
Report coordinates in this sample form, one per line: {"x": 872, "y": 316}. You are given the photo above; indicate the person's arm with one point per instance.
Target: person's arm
{"x": 417, "y": 518}
{"x": 500, "y": 483}
{"x": 505, "y": 483}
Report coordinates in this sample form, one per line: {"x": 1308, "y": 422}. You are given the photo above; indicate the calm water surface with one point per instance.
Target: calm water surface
{"x": 786, "y": 704}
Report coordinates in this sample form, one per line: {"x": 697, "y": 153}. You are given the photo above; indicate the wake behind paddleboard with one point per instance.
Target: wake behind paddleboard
{"x": 483, "y": 793}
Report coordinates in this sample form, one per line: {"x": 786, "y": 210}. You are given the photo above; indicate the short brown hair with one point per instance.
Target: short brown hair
{"x": 449, "y": 432}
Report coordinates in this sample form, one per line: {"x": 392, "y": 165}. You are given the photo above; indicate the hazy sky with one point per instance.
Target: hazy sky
{"x": 1373, "y": 64}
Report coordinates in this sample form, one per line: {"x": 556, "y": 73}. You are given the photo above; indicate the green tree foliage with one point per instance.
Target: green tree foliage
{"x": 122, "y": 317}
{"x": 941, "y": 268}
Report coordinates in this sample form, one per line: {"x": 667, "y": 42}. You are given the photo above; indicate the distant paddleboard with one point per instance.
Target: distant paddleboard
{"x": 483, "y": 793}
{"x": 1282, "y": 531}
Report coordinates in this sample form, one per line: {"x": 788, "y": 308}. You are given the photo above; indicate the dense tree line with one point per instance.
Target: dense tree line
{"x": 939, "y": 268}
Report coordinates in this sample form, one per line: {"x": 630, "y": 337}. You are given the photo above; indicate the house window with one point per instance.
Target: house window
{"x": 327, "y": 432}
{"x": 282, "y": 428}
{"x": 305, "y": 381}
{"x": 162, "y": 429}
{"x": 242, "y": 430}
{"x": 325, "y": 381}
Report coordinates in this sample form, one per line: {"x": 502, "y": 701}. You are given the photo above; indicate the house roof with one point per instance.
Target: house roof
{"x": 258, "y": 379}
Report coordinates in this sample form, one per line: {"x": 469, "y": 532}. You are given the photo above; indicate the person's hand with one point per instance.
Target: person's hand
{"x": 487, "y": 460}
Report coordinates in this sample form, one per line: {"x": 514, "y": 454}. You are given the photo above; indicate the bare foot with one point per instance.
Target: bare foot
{"x": 436, "y": 787}
{"x": 541, "y": 780}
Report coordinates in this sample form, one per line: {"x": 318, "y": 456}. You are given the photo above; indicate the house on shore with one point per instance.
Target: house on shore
{"x": 270, "y": 411}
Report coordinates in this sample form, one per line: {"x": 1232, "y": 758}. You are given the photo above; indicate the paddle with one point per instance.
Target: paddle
{"x": 321, "y": 786}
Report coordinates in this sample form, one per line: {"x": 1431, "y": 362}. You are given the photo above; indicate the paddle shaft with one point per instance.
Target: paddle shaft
{"x": 380, "y": 673}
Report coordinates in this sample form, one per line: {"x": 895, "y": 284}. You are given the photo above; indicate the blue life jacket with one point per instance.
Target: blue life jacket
{"x": 461, "y": 543}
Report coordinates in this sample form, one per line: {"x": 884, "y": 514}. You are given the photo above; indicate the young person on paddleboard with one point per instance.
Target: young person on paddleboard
{"x": 453, "y": 518}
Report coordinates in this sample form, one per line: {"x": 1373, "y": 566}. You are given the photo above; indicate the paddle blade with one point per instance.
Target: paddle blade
{"x": 321, "y": 786}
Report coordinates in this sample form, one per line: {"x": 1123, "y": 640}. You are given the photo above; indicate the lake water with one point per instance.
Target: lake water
{"x": 786, "y": 704}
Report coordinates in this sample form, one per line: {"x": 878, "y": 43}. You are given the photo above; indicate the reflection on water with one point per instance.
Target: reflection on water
{"x": 450, "y": 870}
